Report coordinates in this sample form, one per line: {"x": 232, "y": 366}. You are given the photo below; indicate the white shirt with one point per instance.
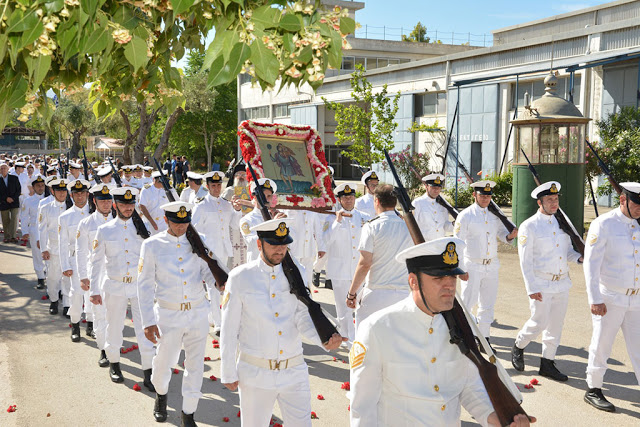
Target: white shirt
{"x": 29, "y": 216}
{"x": 87, "y": 229}
{"x": 544, "y": 249}
{"x": 306, "y": 231}
{"x": 214, "y": 217}
{"x": 152, "y": 198}
{"x": 48, "y": 226}
{"x": 68, "y": 225}
{"x": 262, "y": 318}
{"x": 432, "y": 218}
{"x": 169, "y": 271}
{"x": 385, "y": 236}
{"x": 406, "y": 373}
{"x": 251, "y": 237}
{"x": 342, "y": 240}
{"x": 479, "y": 229}
{"x": 612, "y": 259}
{"x": 116, "y": 250}
{"x": 365, "y": 204}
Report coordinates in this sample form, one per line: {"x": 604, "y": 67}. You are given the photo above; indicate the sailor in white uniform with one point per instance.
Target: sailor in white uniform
{"x": 254, "y": 217}
{"x": 29, "y": 221}
{"x": 431, "y": 216}
{"x": 365, "y": 203}
{"x": 151, "y": 198}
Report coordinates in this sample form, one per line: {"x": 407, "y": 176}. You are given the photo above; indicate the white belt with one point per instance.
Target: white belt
{"x": 483, "y": 261}
{"x": 621, "y": 290}
{"x": 272, "y": 364}
{"x": 179, "y": 306}
{"x": 550, "y": 276}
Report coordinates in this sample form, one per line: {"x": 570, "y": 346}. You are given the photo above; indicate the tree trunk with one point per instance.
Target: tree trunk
{"x": 166, "y": 133}
{"x": 126, "y": 150}
{"x": 208, "y": 145}
{"x": 75, "y": 144}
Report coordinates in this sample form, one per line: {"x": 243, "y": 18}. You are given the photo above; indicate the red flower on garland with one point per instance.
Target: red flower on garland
{"x": 213, "y": 378}
{"x": 346, "y": 385}
{"x": 314, "y": 416}
{"x": 320, "y": 397}
{"x": 137, "y": 387}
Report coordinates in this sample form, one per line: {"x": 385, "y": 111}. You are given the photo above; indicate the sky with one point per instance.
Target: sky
{"x": 460, "y": 16}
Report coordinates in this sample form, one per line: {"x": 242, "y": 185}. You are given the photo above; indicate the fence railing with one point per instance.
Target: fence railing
{"x": 446, "y": 37}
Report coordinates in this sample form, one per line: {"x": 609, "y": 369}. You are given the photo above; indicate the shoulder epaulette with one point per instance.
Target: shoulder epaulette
{"x": 147, "y": 185}
{"x": 374, "y": 218}
{"x": 199, "y": 199}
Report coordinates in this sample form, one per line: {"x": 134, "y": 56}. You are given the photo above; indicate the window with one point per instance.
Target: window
{"x": 282, "y": 110}
{"x": 431, "y": 104}
{"x": 255, "y": 113}
{"x": 536, "y": 90}
{"x": 348, "y": 63}
{"x": 245, "y": 78}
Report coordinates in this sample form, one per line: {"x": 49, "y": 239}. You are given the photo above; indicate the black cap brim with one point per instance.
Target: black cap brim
{"x": 278, "y": 242}
{"x": 443, "y": 271}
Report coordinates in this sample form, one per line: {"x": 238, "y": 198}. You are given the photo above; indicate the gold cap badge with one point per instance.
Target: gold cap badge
{"x": 347, "y": 189}
{"x": 182, "y": 213}
{"x": 553, "y": 189}
{"x": 373, "y": 176}
{"x": 437, "y": 180}
{"x": 449, "y": 256}
{"x": 282, "y": 230}
{"x": 105, "y": 189}
{"x": 487, "y": 187}
{"x": 62, "y": 185}
{"x": 78, "y": 185}
{"x": 267, "y": 184}
{"x": 128, "y": 195}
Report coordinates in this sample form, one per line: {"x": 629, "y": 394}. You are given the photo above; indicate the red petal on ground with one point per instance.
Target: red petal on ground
{"x": 44, "y": 297}
{"x": 315, "y": 291}
{"x": 70, "y": 325}
{"x": 238, "y": 414}
{"x": 214, "y": 342}
{"x": 213, "y": 378}
{"x": 137, "y": 387}
{"x": 225, "y": 419}
{"x": 12, "y": 408}
{"x": 175, "y": 370}
{"x": 135, "y": 347}
{"x": 207, "y": 359}
{"x": 320, "y": 397}
{"x": 346, "y": 385}
{"x": 84, "y": 320}
{"x": 314, "y": 416}
{"x": 216, "y": 346}
{"x": 349, "y": 408}
{"x": 535, "y": 381}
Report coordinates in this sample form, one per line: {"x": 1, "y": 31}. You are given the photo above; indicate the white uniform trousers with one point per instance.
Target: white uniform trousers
{"x": 36, "y": 257}
{"x": 78, "y": 299}
{"x": 54, "y": 277}
{"x": 481, "y": 289}
{"x": 320, "y": 264}
{"x": 65, "y": 284}
{"x": 605, "y": 329}
{"x": 547, "y": 316}
{"x": 373, "y": 300}
{"x": 116, "y": 312}
{"x": 188, "y": 329}
{"x": 294, "y": 399}
{"x": 307, "y": 263}
{"x": 344, "y": 313}
{"x": 100, "y": 323}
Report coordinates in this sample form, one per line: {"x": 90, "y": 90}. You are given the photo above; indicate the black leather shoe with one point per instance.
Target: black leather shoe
{"x": 90, "y": 332}
{"x": 147, "y": 380}
{"x": 103, "y": 362}
{"x": 328, "y": 284}
{"x": 316, "y": 280}
{"x": 53, "y": 308}
{"x": 65, "y": 312}
{"x": 548, "y": 369}
{"x": 188, "y": 421}
{"x": 41, "y": 284}
{"x": 517, "y": 358}
{"x": 75, "y": 332}
{"x": 595, "y": 398}
{"x": 115, "y": 373}
{"x": 160, "y": 408}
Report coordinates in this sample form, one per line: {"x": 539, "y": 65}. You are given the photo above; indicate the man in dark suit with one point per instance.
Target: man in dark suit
{"x": 9, "y": 203}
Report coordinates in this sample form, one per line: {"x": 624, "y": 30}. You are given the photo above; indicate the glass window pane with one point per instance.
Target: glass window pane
{"x": 524, "y": 138}
{"x": 348, "y": 63}
{"x": 563, "y": 144}
{"x": 394, "y": 61}
{"x": 372, "y": 63}
{"x": 382, "y": 62}
{"x": 361, "y": 61}
{"x": 576, "y": 90}
{"x": 535, "y": 141}
{"x": 537, "y": 89}
{"x": 442, "y": 104}
{"x": 429, "y": 104}
{"x": 576, "y": 147}
{"x": 549, "y": 144}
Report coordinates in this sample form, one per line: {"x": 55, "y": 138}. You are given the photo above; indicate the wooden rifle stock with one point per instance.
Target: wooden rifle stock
{"x": 324, "y": 327}
{"x": 504, "y": 403}
{"x": 197, "y": 245}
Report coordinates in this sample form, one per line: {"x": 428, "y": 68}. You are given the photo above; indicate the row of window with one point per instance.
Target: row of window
{"x": 279, "y": 111}
{"x": 349, "y": 62}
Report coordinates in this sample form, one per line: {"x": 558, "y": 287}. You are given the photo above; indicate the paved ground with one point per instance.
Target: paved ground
{"x": 53, "y": 381}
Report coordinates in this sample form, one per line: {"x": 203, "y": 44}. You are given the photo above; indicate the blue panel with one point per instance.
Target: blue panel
{"x": 477, "y": 99}
{"x": 307, "y": 116}
{"x": 490, "y": 125}
{"x": 491, "y": 99}
{"x": 476, "y": 133}
{"x": 465, "y": 101}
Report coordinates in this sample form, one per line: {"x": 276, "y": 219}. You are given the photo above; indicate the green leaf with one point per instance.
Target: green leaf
{"x": 266, "y": 64}
{"x": 220, "y": 46}
{"x": 65, "y": 38}
{"x": 180, "y": 6}
{"x": 224, "y": 71}
{"x": 124, "y": 16}
{"x": 19, "y": 21}
{"x": 42, "y": 64}
{"x": 3, "y": 46}
{"x": 31, "y": 34}
{"x": 239, "y": 54}
{"x": 305, "y": 55}
{"x": 266, "y": 16}
{"x": 347, "y": 25}
{"x": 335, "y": 51}
{"x": 16, "y": 96}
{"x": 136, "y": 53}
{"x": 217, "y": 73}
{"x": 287, "y": 41}
{"x": 97, "y": 42}
{"x": 291, "y": 23}
{"x": 54, "y": 6}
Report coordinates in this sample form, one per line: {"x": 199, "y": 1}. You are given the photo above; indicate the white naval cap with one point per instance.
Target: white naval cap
{"x": 78, "y": 185}
{"x": 178, "y": 212}
{"x": 439, "y": 257}
{"x": 483, "y": 187}
{"x": 58, "y": 184}
{"x": 20, "y": 164}
{"x": 546, "y": 189}
{"x": 102, "y": 191}
{"x": 74, "y": 165}
{"x": 213, "y": 176}
{"x": 344, "y": 190}
{"x": 367, "y": 176}
{"x": 632, "y": 190}
{"x": 148, "y": 168}
{"x": 104, "y": 171}
{"x": 274, "y": 231}
{"x": 36, "y": 179}
{"x": 194, "y": 175}
{"x": 435, "y": 179}
{"x": 157, "y": 174}
{"x": 49, "y": 179}
{"x": 125, "y": 194}
{"x": 266, "y": 183}
{"x": 331, "y": 170}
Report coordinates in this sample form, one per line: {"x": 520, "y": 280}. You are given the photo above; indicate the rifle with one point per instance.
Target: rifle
{"x": 197, "y": 245}
{"x": 141, "y": 229}
{"x": 323, "y": 326}
{"x": 85, "y": 165}
{"x": 504, "y": 403}
{"x": 61, "y": 169}
{"x": 563, "y": 221}
{"x": 439, "y": 200}
{"x": 493, "y": 207}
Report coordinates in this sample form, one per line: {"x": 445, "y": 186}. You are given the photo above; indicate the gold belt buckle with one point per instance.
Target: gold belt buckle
{"x": 127, "y": 279}
{"x": 555, "y": 277}
{"x": 274, "y": 365}
{"x": 185, "y": 306}
{"x": 632, "y": 291}
{"x": 486, "y": 261}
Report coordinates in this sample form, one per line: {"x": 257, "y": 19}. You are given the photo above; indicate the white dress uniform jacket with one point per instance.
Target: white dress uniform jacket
{"x": 214, "y": 217}
{"x": 251, "y": 237}
{"x": 365, "y": 204}
{"x": 152, "y": 198}
{"x": 48, "y": 234}
{"x": 612, "y": 275}
{"x": 432, "y": 218}
{"x": 29, "y": 221}
{"x": 405, "y": 373}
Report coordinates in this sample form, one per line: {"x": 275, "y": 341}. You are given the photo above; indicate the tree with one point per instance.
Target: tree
{"x": 418, "y": 34}
{"x": 127, "y": 48}
{"x": 619, "y": 148}
{"x": 367, "y": 124}
{"x": 74, "y": 115}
